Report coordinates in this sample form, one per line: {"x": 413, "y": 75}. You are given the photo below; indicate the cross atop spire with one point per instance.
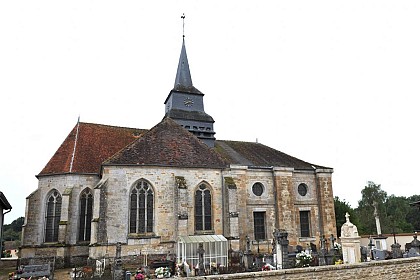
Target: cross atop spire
{"x": 183, "y": 24}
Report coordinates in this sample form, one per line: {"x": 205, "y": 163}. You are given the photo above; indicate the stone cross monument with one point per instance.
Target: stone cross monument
{"x": 350, "y": 242}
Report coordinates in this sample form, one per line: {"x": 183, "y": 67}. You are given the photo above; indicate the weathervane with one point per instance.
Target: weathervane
{"x": 183, "y": 24}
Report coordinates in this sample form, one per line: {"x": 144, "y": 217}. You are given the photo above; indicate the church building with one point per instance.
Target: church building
{"x": 154, "y": 190}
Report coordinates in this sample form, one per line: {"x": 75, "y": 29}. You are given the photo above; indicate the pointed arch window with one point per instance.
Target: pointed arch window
{"x": 52, "y": 216}
{"x": 203, "y": 208}
{"x": 141, "y": 208}
{"x": 85, "y": 215}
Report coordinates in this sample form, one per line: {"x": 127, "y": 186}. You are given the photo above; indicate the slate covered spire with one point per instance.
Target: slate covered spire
{"x": 183, "y": 81}
{"x": 185, "y": 104}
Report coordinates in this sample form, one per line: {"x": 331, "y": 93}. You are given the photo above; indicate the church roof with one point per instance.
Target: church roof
{"x": 189, "y": 115}
{"x": 87, "y": 146}
{"x": 168, "y": 144}
{"x": 258, "y": 155}
{"x": 183, "y": 81}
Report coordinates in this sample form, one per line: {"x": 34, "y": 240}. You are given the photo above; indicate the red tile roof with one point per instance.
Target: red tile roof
{"x": 168, "y": 144}
{"x": 95, "y": 143}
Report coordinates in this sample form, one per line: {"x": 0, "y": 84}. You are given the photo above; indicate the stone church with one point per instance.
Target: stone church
{"x": 151, "y": 190}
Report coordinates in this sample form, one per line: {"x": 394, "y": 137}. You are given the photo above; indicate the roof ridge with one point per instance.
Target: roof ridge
{"x": 115, "y": 126}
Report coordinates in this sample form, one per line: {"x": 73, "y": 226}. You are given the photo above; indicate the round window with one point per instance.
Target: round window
{"x": 258, "y": 189}
{"x": 302, "y": 189}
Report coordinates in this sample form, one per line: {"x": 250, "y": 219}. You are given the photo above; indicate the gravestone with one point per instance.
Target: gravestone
{"x": 350, "y": 242}
{"x": 378, "y": 255}
{"x": 200, "y": 252}
{"x": 415, "y": 244}
{"x": 323, "y": 252}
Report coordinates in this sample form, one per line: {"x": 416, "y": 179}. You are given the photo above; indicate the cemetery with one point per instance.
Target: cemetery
{"x": 210, "y": 257}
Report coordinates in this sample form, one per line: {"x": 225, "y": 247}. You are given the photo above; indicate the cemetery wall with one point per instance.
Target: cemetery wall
{"x": 407, "y": 268}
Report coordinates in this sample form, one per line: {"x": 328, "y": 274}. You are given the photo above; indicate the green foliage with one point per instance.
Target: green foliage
{"x": 413, "y": 215}
{"x": 341, "y": 208}
{"x": 395, "y": 213}
{"x": 372, "y": 194}
{"x": 13, "y": 230}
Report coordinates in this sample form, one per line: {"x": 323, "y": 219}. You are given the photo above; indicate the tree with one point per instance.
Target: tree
{"x": 397, "y": 209}
{"x": 413, "y": 215}
{"x": 13, "y": 230}
{"x": 372, "y": 196}
{"x": 341, "y": 208}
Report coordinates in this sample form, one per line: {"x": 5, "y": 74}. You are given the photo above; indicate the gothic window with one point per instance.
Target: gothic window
{"x": 141, "y": 208}
{"x": 52, "y": 217}
{"x": 85, "y": 218}
{"x": 259, "y": 225}
{"x": 203, "y": 208}
{"x": 305, "y": 224}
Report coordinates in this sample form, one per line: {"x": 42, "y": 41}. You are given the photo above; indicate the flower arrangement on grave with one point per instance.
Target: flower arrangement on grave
{"x": 267, "y": 267}
{"x": 161, "y": 272}
{"x": 303, "y": 259}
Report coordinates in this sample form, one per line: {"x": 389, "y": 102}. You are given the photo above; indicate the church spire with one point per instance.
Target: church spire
{"x": 183, "y": 79}
{"x": 185, "y": 104}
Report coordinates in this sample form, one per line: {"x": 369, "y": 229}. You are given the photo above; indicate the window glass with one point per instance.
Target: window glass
{"x": 258, "y": 189}
{"x": 141, "y": 208}
{"x": 259, "y": 225}
{"x": 304, "y": 224}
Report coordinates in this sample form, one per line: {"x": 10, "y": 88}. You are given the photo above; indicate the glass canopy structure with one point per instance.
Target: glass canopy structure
{"x": 215, "y": 250}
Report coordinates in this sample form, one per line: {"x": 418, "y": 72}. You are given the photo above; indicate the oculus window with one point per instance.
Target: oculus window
{"x": 258, "y": 189}
{"x": 302, "y": 189}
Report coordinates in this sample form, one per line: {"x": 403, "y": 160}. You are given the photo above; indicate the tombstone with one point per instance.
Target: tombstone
{"x": 248, "y": 254}
{"x": 281, "y": 248}
{"x": 200, "y": 252}
{"x": 412, "y": 253}
{"x": 396, "y": 251}
{"x": 350, "y": 242}
{"x": 118, "y": 271}
{"x": 323, "y": 252}
{"x": 378, "y": 255}
{"x": 415, "y": 244}
{"x": 364, "y": 253}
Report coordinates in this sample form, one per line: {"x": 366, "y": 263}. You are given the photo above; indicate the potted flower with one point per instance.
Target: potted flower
{"x": 303, "y": 259}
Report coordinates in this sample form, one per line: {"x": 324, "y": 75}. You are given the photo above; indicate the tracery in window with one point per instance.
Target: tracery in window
{"x": 85, "y": 215}
{"x": 141, "y": 208}
{"x": 52, "y": 216}
{"x": 203, "y": 208}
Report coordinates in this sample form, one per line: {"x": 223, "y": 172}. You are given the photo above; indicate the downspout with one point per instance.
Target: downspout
{"x": 276, "y": 210}
{"x": 1, "y": 231}
{"x": 224, "y": 217}
{"x": 320, "y": 220}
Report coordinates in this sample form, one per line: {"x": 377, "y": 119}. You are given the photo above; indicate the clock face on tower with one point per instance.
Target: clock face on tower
{"x": 188, "y": 102}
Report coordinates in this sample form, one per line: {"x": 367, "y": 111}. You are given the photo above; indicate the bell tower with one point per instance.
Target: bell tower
{"x": 185, "y": 105}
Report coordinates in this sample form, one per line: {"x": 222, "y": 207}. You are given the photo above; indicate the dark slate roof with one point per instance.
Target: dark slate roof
{"x": 189, "y": 115}
{"x": 95, "y": 143}
{"x": 5, "y": 205}
{"x": 183, "y": 81}
{"x": 258, "y": 155}
{"x": 168, "y": 144}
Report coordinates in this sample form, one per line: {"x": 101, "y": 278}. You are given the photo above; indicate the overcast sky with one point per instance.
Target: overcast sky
{"x": 334, "y": 83}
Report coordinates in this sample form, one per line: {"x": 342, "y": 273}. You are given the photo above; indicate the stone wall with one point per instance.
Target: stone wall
{"x": 408, "y": 268}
